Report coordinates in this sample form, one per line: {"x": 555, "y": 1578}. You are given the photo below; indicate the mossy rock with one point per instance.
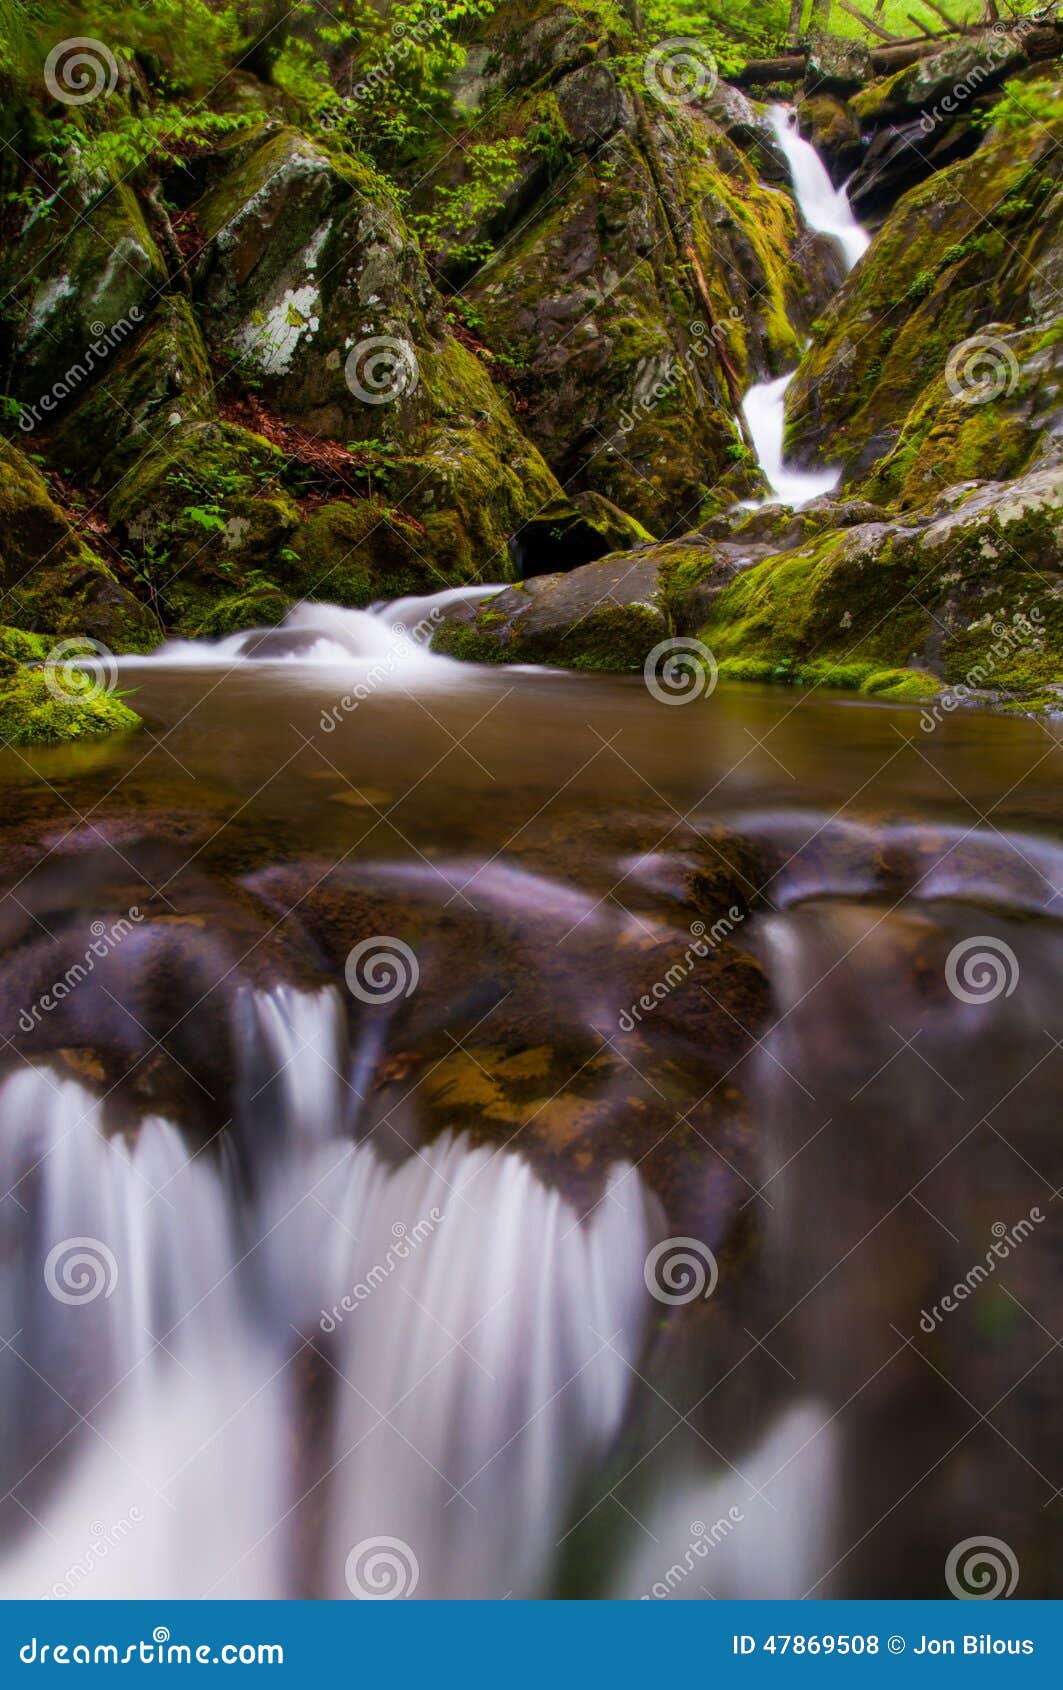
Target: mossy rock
{"x": 50, "y": 577}
{"x": 964, "y": 594}
{"x": 974, "y": 246}
{"x": 353, "y": 552}
{"x": 160, "y": 381}
{"x": 32, "y": 714}
{"x": 85, "y": 275}
{"x": 605, "y": 617}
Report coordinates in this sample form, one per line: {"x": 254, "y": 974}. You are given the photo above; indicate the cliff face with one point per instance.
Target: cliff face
{"x": 271, "y": 360}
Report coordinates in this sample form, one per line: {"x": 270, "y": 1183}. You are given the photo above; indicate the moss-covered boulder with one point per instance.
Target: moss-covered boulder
{"x": 80, "y": 278}
{"x": 968, "y": 594}
{"x": 42, "y": 706}
{"x": 604, "y": 616}
{"x": 50, "y": 577}
{"x": 312, "y": 282}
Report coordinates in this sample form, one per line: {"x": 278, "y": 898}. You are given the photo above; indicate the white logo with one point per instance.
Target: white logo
{"x": 679, "y": 70}
{"x": 981, "y": 369}
{"x": 381, "y": 969}
{"x": 381, "y": 370}
{"x": 78, "y": 1270}
{"x": 980, "y": 969}
{"x": 381, "y": 1569}
{"x": 680, "y": 1270}
{"x": 677, "y": 671}
{"x": 981, "y": 1568}
{"x": 80, "y": 69}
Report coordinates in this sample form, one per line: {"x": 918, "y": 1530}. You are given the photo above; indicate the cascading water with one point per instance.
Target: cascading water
{"x": 481, "y": 1339}
{"x": 826, "y": 209}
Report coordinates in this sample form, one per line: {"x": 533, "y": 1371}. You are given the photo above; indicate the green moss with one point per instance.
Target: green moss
{"x": 30, "y": 714}
{"x": 894, "y": 685}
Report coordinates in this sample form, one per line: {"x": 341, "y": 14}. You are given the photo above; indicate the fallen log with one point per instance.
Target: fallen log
{"x": 884, "y": 61}
{"x": 1044, "y": 41}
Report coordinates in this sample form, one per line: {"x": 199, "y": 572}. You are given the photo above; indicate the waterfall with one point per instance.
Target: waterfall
{"x": 764, "y": 408}
{"x": 144, "y": 1412}
{"x": 476, "y": 1339}
{"x": 826, "y": 209}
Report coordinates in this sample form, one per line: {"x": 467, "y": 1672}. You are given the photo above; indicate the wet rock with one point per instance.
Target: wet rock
{"x": 53, "y": 581}
{"x": 569, "y": 532}
{"x": 833, "y": 130}
{"x": 605, "y": 615}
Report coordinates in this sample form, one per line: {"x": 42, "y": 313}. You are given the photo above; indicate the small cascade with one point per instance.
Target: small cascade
{"x": 478, "y": 1340}
{"x": 486, "y": 1338}
{"x": 387, "y": 642}
{"x": 826, "y": 209}
{"x": 144, "y": 1411}
{"x": 823, "y": 206}
{"x": 764, "y": 408}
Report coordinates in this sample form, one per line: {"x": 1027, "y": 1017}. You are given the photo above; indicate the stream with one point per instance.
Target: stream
{"x": 399, "y": 1204}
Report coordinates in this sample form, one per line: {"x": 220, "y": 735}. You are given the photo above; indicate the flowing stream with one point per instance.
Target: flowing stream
{"x": 826, "y": 209}
{"x": 477, "y": 1132}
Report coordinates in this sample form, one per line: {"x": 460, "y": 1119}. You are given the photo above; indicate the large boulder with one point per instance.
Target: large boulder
{"x": 310, "y": 280}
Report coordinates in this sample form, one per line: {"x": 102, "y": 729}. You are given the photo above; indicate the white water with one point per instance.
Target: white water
{"x": 479, "y": 1352}
{"x": 823, "y": 206}
{"x": 826, "y": 209}
{"x": 762, "y": 1528}
{"x": 143, "y": 1415}
{"x": 386, "y": 642}
{"x": 764, "y": 408}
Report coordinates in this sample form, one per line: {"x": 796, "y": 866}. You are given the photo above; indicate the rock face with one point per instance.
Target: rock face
{"x": 966, "y": 257}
